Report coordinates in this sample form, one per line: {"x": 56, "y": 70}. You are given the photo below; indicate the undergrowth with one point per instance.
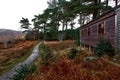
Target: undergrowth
{"x": 104, "y": 47}
{"x": 25, "y": 52}
{"x": 71, "y": 66}
{"x": 23, "y": 71}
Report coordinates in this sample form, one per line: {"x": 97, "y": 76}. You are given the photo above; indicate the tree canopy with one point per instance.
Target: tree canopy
{"x": 62, "y": 13}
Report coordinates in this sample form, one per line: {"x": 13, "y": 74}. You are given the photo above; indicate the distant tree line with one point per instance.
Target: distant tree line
{"x": 53, "y": 23}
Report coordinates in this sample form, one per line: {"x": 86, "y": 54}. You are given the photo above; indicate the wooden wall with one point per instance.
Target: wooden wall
{"x": 117, "y": 29}
{"x": 109, "y": 30}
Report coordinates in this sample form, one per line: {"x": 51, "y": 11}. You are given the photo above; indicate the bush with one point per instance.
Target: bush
{"x": 23, "y": 71}
{"x": 52, "y": 35}
{"x": 104, "y": 47}
{"x": 45, "y": 54}
{"x": 73, "y": 53}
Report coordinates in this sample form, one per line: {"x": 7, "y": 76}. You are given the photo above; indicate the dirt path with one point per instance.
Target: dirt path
{"x": 28, "y": 61}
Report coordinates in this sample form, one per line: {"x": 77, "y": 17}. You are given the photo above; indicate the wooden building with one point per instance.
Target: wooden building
{"x": 106, "y": 26}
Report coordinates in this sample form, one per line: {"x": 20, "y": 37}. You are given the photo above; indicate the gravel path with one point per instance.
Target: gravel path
{"x": 28, "y": 61}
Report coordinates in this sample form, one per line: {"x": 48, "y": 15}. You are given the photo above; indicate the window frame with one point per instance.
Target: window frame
{"x": 89, "y": 31}
{"x": 101, "y": 34}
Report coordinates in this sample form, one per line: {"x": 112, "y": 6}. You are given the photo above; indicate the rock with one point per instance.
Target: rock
{"x": 114, "y": 59}
{"x": 90, "y": 58}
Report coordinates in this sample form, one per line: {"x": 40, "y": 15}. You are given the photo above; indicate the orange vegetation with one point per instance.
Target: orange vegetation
{"x": 65, "y": 69}
{"x": 55, "y": 45}
{"x": 16, "y": 50}
{"x": 76, "y": 69}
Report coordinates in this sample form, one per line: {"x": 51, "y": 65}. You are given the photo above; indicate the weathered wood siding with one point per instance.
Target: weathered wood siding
{"x": 109, "y": 30}
{"x": 117, "y": 29}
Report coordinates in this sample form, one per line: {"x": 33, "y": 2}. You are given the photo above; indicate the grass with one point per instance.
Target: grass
{"x": 73, "y": 69}
{"x": 17, "y": 60}
{"x": 76, "y": 69}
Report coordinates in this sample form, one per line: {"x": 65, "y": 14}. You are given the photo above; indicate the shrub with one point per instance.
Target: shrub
{"x": 45, "y": 54}
{"x": 104, "y": 47}
{"x": 72, "y": 53}
{"x": 23, "y": 71}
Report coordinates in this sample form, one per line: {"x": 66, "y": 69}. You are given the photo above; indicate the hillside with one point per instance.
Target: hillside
{"x": 4, "y": 32}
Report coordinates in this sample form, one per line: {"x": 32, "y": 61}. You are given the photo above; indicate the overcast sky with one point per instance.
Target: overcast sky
{"x": 11, "y": 11}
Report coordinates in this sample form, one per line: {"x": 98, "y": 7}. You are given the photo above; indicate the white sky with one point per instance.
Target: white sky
{"x": 11, "y": 11}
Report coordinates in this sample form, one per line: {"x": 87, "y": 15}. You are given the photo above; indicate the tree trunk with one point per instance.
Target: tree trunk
{"x": 66, "y": 25}
{"x": 95, "y": 12}
{"x": 72, "y": 24}
{"x": 62, "y": 34}
{"x": 44, "y": 31}
{"x": 106, "y": 2}
{"x": 63, "y": 26}
{"x": 116, "y": 3}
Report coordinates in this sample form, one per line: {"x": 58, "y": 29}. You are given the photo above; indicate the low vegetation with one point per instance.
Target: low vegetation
{"x": 23, "y": 71}
{"x": 11, "y": 56}
{"x": 104, "y": 47}
{"x": 45, "y": 54}
{"x": 73, "y": 53}
{"x": 74, "y": 67}
{"x": 57, "y": 46}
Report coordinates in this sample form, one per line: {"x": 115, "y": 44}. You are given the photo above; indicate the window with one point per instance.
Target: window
{"x": 101, "y": 29}
{"x": 88, "y": 31}
{"x": 85, "y": 32}
{"x": 82, "y": 33}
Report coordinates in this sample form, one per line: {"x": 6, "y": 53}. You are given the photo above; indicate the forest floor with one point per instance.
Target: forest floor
{"x": 70, "y": 62}
{"x": 15, "y": 53}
